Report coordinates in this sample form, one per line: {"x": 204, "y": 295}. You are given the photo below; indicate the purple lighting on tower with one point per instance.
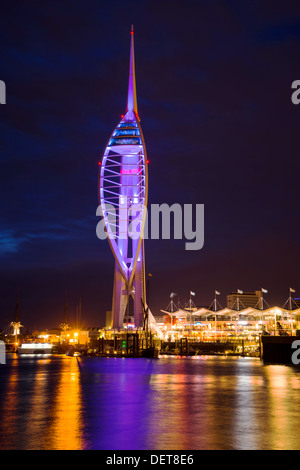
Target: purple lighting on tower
{"x": 124, "y": 187}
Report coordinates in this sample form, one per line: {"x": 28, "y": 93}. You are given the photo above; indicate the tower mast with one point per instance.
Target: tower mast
{"x": 131, "y": 96}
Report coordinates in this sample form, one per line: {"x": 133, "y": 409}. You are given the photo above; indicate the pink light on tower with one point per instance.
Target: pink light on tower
{"x": 124, "y": 186}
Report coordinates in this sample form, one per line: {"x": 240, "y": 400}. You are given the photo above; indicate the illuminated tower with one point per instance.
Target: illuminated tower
{"x": 123, "y": 199}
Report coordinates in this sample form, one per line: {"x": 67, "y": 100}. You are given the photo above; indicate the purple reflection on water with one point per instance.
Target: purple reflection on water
{"x": 165, "y": 404}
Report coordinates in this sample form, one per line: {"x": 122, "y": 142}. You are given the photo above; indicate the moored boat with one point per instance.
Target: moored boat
{"x": 151, "y": 353}
{"x": 35, "y": 348}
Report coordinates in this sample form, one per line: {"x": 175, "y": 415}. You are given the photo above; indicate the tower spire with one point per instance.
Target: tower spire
{"x": 131, "y": 97}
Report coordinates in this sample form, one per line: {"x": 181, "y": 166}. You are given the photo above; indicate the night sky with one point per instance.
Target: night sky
{"x": 214, "y": 97}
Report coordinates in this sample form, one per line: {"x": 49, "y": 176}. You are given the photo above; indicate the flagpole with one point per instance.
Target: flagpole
{"x": 291, "y": 310}
{"x": 291, "y": 290}
{"x": 215, "y": 316}
{"x": 215, "y": 301}
{"x": 262, "y": 306}
{"x": 190, "y": 314}
{"x": 172, "y": 307}
{"x": 171, "y": 313}
{"x": 191, "y": 293}
{"x": 238, "y": 306}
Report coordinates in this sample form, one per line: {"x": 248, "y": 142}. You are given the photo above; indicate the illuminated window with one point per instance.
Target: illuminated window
{"x": 130, "y": 132}
{"x": 128, "y": 124}
{"x": 120, "y": 141}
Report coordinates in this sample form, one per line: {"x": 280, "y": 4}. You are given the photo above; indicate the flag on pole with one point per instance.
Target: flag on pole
{"x": 172, "y": 295}
{"x": 217, "y": 293}
{"x": 264, "y": 291}
{"x": 240, "y": 291}
{"x": 292, "y": 290}
{"x": 192, "y": 293}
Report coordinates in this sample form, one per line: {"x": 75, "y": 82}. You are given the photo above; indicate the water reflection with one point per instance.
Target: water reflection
{"x": 40, "y": 403}
{"x": 35, "y": 426}
{"x": 9, "y": 406}
{"x": 283, "y": 398}
{"x": 66, "y": 430}
{"x": 188, "y": 403}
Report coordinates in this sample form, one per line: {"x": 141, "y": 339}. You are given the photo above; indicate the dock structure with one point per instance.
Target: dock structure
{"x": 139, "y": 343}
{"x": 280, "y": 350}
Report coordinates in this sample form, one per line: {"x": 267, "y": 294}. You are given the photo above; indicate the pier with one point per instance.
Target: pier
{"x": 138, "y": 345}
{"x": 278, "y": 349}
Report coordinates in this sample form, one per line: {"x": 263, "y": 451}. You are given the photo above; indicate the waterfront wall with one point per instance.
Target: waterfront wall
{"x": 278, "y": 349}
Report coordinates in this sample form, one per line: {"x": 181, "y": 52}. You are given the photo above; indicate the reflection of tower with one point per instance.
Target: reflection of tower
{"x": 16, "y": 325}
{"x": 123, "y": 199}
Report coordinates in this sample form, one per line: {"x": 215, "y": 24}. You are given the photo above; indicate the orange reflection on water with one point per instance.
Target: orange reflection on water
{"x": 65, "y": 428}
{"x": 7, "y": 411}
{"x": 170, "y": 411}
{"x": 281, "y": 401}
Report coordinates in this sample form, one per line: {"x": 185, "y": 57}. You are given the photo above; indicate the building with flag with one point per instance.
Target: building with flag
{"x": 239, "y": 300}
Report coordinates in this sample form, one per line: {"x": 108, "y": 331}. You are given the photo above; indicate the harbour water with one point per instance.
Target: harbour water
{"x": 173, "y": 403}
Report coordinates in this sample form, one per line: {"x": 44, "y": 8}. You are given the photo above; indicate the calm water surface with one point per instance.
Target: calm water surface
{"x": 172, "y": 403}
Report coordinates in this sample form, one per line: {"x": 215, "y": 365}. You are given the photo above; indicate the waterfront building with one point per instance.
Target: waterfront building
{"x": 249, "y": 323}
{"x": 240, "y": 300}
{"x": 296, "y": 302}
{"x": 71, "y": 336}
